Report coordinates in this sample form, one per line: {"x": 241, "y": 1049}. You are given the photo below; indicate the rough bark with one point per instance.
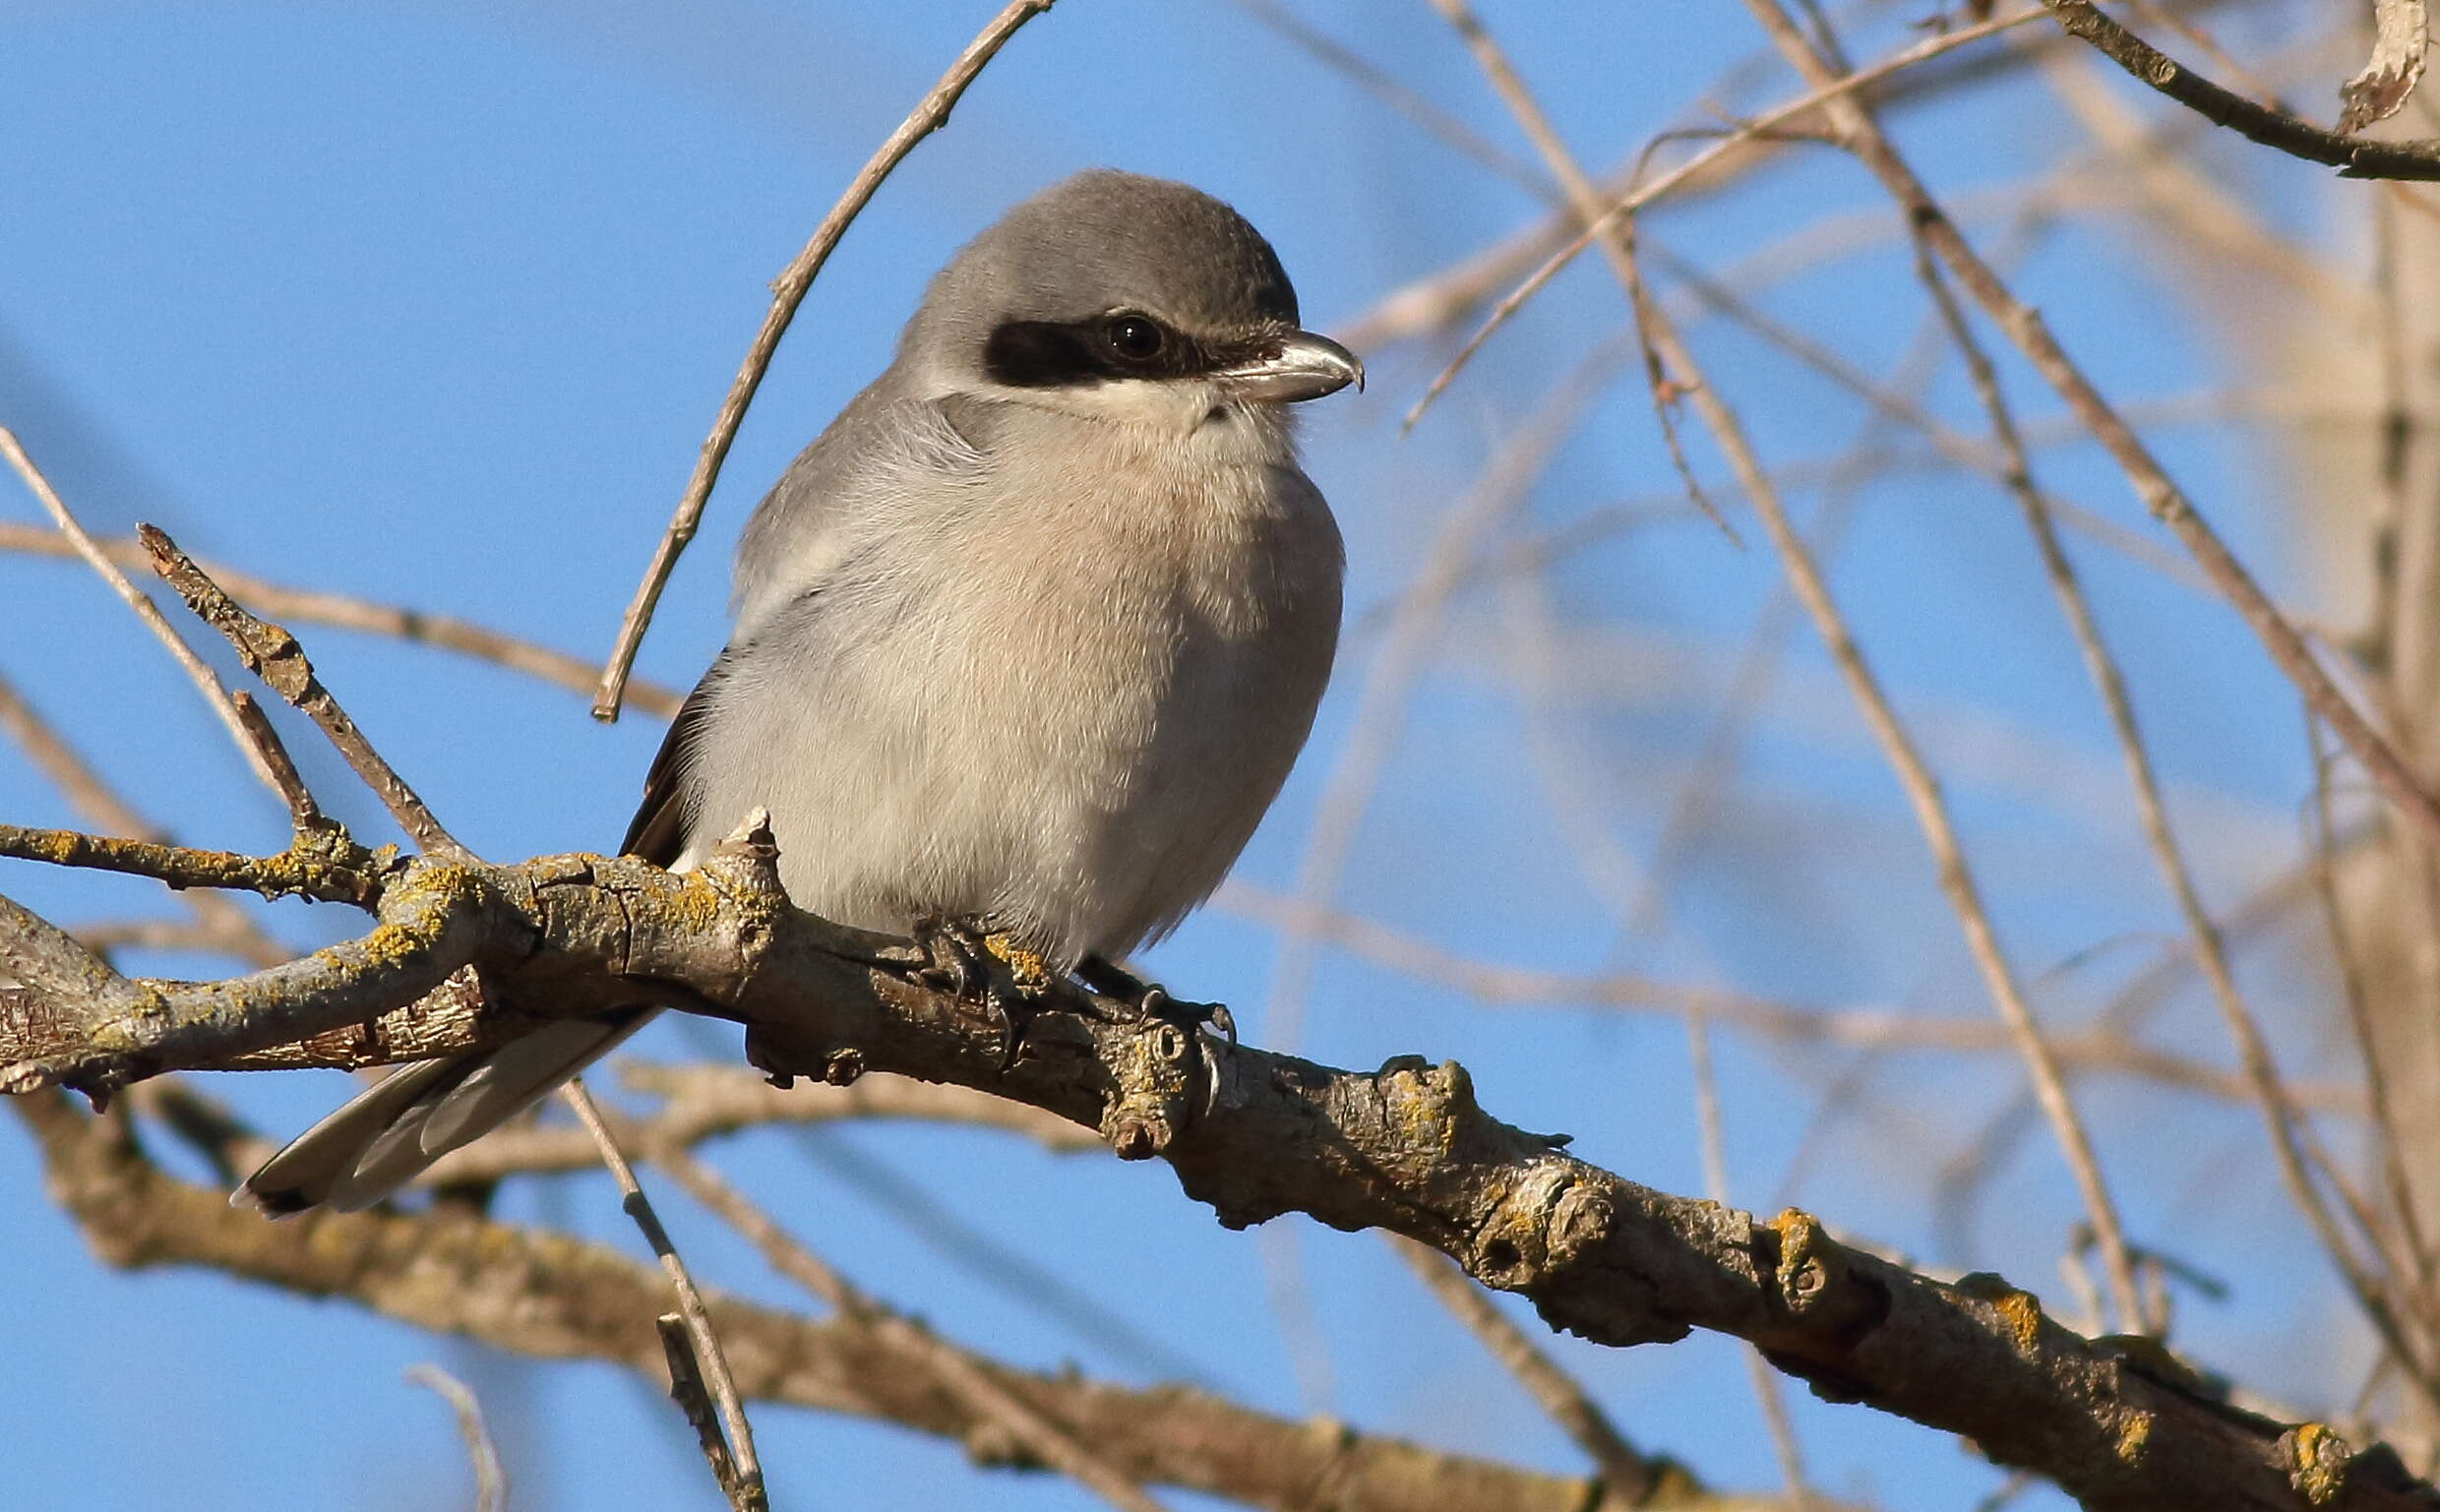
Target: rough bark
{"x": 1253, "y": 1134}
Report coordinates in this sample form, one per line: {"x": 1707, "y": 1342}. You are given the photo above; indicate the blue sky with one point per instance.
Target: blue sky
{"x": 434, "y": 303}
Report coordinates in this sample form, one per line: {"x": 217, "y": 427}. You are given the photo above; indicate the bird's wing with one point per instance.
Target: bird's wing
{"x": 887, "y": 452}
{"x": 658, "y": 832}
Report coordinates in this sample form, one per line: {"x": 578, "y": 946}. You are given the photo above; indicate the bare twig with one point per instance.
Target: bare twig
{"x": 1601, "y": 225}
{"x": 1368, "y": 77}
{"x": 693, "y": 1345}
{"x": 1712, "y": 1136}
{"x": 708, "y": 1101}
{"x": 220, "y": 924}
{"x": 2086, "y": 1052}
{"x": 930, "y": 114}
{"x": 2387, "y": 1146}
{"x": 2354, "y": 157}
{"x": 540, "y": 1294}
{"x": 1627, "y": 1477}
{"x": 2280, "y": 1117}
{"x": 2159, "y": 494}
{"x": 1055, "y": 1445}
{"x": 1389, "y": 682}
{"x": 315, "y": 606}
{"x": 274, "y": 655}
{"x": 491, "y": 1485}
{"x": 1931, "y": 813}
{"x": 201, "y": 676}
{"x": 325, "y": 869}
{"x": 303, "y": 812}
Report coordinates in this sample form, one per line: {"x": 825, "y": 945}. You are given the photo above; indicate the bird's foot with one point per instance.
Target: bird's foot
{"x": 959, "y": 954}
{"x": 1149, "y": 999}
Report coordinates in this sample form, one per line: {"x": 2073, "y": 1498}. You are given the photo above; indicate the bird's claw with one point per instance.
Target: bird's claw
{"x": 958, "y": 956}
{"x": 1157, "y": 1003}
{"x": 1149, "y": 999}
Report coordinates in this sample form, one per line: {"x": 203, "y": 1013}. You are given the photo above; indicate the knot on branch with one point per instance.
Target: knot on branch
{"x": 1154, "y": 1075}
{"x": 743, "y": 870}
{"x": 1824, "y": 1301}
{"x": 1541, "y": 1224}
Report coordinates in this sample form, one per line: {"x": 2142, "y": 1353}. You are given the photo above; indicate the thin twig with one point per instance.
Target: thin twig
{"x": 956, "y": 1370}
{"x": 2084, "y": 1051}
{"x": 1687, "y": 819}
{"x": 1914, "y": 775}
{"x": 930, "y": 114}
{"x": 1626, "y": 1474}
{"x": 740, "y": 1473}
{"x": 1372, "y": 80}
{"x": 491, "y": 1485}
{"x": 2387, "y": 1146}
{"x": 228, "y": 925}
{"x": 2159, "y": 494}
{"x": 694, "y": 1396}
{"x": 2278, "y": 1114}
{"x": 1710, "y": 1134}
{"x": 271, "y": 653}
{"x": 1599, "y": 227}
{"x": 2376, "y": 644}
{"x": 303, "y": 812}
{"x": 316, "y": 605}
{"x": 1389, "y": 682}
{"x": 201, "y": 676}
{"x": 324, "y": 868}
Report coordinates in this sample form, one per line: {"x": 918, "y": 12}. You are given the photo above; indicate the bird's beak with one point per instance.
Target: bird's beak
{"x": 1302, "y": 366}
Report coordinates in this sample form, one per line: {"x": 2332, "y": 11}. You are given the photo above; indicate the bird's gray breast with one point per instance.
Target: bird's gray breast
{"x": 1053, "y": 675}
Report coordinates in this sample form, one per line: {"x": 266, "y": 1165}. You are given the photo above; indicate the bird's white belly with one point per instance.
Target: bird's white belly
{"x": 1077, "y": 750}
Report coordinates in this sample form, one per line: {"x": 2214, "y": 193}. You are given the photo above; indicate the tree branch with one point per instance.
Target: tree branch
{"x": 2352, "y": 156}
{"x": 271, "y": 653}
{"x": 1255, "y": 1134}
{"x": 541, "y": 1293}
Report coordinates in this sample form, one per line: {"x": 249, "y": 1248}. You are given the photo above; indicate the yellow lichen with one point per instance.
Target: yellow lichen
{"x": 1030, "y": 970}
{"x": 694, "y": 902}
{"x": 1419, "y": 1105}
{"x": 1799, "y": 1230}
{"x": 2020, "y": 1311}
{"x": 2316, "y": 1462}
{"x": 2134, "y": 1437}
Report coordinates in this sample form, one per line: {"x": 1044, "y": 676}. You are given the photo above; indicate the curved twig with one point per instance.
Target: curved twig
{"x": 2352, "y": 156}
{"x": 930, "y": 114}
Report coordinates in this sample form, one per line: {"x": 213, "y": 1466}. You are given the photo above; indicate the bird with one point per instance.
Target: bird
{"x": 1024, "y": 643}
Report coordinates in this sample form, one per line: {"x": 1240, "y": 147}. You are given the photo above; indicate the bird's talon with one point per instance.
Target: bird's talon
{"x": 1016, "y": 1013}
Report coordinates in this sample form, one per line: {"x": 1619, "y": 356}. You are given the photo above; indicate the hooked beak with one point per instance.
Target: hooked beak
{"x": 1303, "y": 366}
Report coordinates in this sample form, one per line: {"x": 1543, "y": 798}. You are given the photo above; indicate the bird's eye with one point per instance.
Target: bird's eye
{"x": 1132, "y": 337}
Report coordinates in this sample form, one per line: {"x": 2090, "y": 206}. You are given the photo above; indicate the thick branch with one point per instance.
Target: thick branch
{"x": 541, "y": 1293}
{"x": 2354, "y": 157}
{"x": 1255, "y": 1134}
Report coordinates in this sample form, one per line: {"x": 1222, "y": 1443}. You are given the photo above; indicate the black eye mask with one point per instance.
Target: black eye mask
{"x": 1062, "y": 354}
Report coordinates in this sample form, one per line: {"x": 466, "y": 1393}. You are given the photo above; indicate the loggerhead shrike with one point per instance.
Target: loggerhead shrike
{"x": 1026, "y": 643}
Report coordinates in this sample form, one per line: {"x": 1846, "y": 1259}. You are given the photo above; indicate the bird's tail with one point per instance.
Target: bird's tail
{"x": 388, "y": 1133}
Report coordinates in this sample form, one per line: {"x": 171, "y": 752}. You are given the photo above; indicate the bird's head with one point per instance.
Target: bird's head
{"x": 1129, "y": 299}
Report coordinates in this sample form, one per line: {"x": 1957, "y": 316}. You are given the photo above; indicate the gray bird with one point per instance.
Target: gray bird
{"x": 1026, "y": 643}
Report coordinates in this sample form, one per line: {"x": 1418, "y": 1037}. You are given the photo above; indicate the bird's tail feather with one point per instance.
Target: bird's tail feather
{"x": 388, "y": 1133}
